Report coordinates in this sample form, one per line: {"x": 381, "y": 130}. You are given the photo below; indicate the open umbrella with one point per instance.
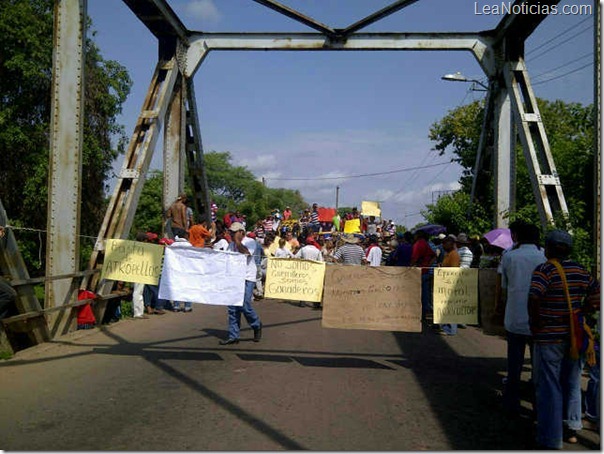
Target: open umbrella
{"x": 499, "y": 237}
{"x": 431, "y": 229}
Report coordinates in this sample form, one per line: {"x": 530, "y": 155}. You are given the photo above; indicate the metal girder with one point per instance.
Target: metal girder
{"x": 504, "y": 156}
{"x": 122, "y": 206}
{"x": 298, "y": 16}
{"x": 65, "y": 160}
{"x": 480, "y": 44}
{"x": 159, "y": 18}
{"x": 174, "y": 146}
{"x": 540, "y": 162}
{"x": 378, "y": 15}
{"x": 194, "y": 151}
{"x": 516, "y": 26}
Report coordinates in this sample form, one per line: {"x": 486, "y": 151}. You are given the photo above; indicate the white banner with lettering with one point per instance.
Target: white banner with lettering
{"x": 202, "y": 275}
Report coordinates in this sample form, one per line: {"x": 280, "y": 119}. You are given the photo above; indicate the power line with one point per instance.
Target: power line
{"x": 565, "y": 74}
{"x": 562, "y": 66}
{"x": 408, "y": 169}
{"x": 556, "y": 46}
{"x": 558, "y": 35}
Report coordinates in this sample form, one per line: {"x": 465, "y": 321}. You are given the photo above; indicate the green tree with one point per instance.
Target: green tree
{"x": 232, "y": 188}
{"x": 26, "y": 27}
{"x": 569, "y": 127}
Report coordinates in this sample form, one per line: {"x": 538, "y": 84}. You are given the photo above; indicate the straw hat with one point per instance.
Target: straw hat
{"x": 348, "y": 238}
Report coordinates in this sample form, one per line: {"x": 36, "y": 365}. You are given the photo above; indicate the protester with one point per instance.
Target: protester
{"x": 558, "y": 286}
{"x": 314, "y": 218}
{"x": 199, "y": 234}
{"x": 287, "y": 213}
{"x": 423, "y": 256}
{"x": 463, "y": 249}
{"x": 336, "y": 222}
{"x": 234, "y": 312}
{"x": 310, "y": 251}
{"x": 373, "y": 254}
{"x": 517, "y": 268}
{"x": 350, "y": 253}
{"x": 177, "y": 214}
{"x": 450, "y": 259}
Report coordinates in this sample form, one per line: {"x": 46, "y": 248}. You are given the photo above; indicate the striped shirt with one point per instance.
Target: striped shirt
{"x": 465, "y": 257}
{"x": 547, "y": 286}
{"x": 351, "y": 254}
{"x": 314, "y": 217}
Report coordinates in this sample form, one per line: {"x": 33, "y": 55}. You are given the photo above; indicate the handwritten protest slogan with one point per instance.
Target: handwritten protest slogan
{"x": 455, "y": 295}
{"x": 369, "y": 208}
{"x": 372, "y": 298}
{"x": 487, "y": 299}
{"x": 202, "y": 275}
{"x": 132, "y": 261}
{"x": 294, "y": 279}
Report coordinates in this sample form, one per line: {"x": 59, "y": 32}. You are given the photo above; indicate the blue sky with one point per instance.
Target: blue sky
{"x": 289, "y": 115}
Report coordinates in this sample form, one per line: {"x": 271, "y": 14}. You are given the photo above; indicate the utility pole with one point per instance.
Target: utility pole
{"x": 337, "y": 195}
{"x": 263, "y": 182}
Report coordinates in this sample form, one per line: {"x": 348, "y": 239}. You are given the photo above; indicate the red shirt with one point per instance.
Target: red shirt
{"x": 422, "y": 254}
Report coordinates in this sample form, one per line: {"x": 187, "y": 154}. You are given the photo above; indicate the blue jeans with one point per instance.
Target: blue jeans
{"x": 151, "y": 297}
{"x": 558, "y": 392}
{"x": 426, "y": 294}
{"x": 516, "y": 348}
{"x": 449, "y": 328}
{"x": 592, "y": 394}
{"x": 248, "y": 312}
{"x": 188, "y": 305}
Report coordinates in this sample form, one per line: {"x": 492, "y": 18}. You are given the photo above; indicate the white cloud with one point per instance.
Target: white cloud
{"x": 203, "y": 10}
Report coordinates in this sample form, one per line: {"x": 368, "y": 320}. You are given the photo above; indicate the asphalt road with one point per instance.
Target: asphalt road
{"x": 165, "y": 384}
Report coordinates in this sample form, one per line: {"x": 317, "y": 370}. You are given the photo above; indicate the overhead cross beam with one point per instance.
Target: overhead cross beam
{"x": 298, "y": 16}
{"x": 378, "y": 15}
{"x": 159, "y": 18}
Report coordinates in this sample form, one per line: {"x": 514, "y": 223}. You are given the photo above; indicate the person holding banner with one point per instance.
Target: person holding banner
{"x": 234, "y": 312}
{"x": 422, "y": 256}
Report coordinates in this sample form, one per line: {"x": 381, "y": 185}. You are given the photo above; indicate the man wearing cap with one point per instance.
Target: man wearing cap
{"x": 557, "y": 376}
{"x": 310, "y": 251}
{"x": 516, "y": 270}
{"x": 237, "y": 245}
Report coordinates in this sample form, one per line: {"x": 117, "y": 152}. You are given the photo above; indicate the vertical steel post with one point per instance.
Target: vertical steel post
{"x": 174, "y": 146}
{"x": 66, "y": 135}
{"x": 504, "y": 154}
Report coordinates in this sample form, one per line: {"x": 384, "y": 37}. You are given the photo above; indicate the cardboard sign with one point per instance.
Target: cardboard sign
{"x": 202, "y": 275}
{"x": 371, "y": 209}
{"x": 352, "y": 226}
{"x": 385, "y": 298}
{"x": 455, "y": 295}
{"x": 132, "y": 261}
{"x": 294, "y": 279}
{"x": 487, "y": 283}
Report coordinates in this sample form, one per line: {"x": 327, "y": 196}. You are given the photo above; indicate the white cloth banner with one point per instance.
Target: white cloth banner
{"x": 202, "y": 275}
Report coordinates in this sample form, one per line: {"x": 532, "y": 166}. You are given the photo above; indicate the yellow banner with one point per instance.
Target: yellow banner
{"x": 456, "y": 295}
{"x": 132, "y": 261}
{"x": 352, "y": 226}
{"x": 294, "y": 279}
{"x": 370, "y": 208}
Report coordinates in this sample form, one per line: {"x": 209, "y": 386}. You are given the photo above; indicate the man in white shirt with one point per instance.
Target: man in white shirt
{"x": 238, "y": 235}
{"x": 373, "y": 255}
{"x": 310, "y": 251}
{"x": 517, "y": 267}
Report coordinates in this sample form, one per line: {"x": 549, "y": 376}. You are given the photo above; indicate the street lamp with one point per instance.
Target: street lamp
{"x": 459, "y": 77}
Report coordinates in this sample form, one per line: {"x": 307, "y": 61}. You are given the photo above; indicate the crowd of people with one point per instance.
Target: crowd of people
{"x": 540, "y": 287}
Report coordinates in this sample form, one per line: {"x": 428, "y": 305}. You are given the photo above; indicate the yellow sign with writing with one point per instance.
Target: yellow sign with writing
{"x": 371, "y": 208}
{"x": 132, "y": 261}
{"x": 385, "y": 298}
{"x": 294, "y": 279}
{"x": 352, "y": 226}
{"x": 455, "y": 295}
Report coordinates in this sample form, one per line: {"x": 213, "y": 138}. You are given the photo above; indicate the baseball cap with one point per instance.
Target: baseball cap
{"x": 559, "y": 237}
{"x": 236, "y": 227}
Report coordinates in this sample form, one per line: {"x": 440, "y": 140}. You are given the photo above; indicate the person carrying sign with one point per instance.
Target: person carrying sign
{"x": 238, "y": 234}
